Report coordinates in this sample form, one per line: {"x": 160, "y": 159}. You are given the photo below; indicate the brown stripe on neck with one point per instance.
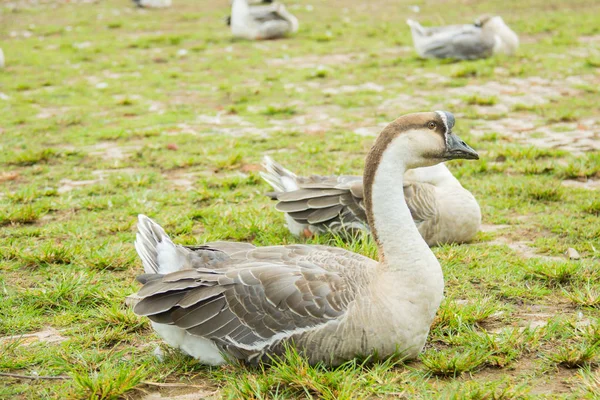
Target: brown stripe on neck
{"x": 389, "y": 133}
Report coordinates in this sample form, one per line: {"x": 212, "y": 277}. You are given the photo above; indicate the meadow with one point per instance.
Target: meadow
{"x": 108, "y": 111}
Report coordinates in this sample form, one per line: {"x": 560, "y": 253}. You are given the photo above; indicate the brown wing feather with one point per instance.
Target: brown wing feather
{"x": 258, "y": 297}
{"x": 333, "y": 202}
{"x": 421, "y": 201}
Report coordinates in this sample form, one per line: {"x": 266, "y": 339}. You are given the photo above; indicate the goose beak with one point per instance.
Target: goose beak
{"x": 456, "y": 148}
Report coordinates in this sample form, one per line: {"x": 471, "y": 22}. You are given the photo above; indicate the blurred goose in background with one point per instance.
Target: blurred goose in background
{"x": 442, "y": 209}
{"x": 229, "y": 300}
{"x": 489, "y": 35}
{"x": 261, "y": 22}
{"x": 1, "y": 59}
{"x": 152, "y": 3}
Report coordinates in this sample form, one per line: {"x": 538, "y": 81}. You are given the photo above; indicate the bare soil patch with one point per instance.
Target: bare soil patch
{"x": 314, "y": 61}
{"x": 590, "y": 184}
{"x": 112, "y": 150}
{"x": 523, "y": 248}
{"x": 48, "y": 335}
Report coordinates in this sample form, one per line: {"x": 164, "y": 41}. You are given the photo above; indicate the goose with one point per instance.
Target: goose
{"x": 152, "y": 3}
{"x": 224, "y": 300}
{"x": 1, "y": 59}
{"x": 261, "y": 22}
{"x": 442, "y": 209}
{"x": 489, "y": 35}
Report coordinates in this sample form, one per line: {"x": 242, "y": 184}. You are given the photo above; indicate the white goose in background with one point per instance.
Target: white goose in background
{"x": 1, "y": 59}
{"x": 152, "y": 3}
{"x": 442, "y": 209}
{"x": 261, "y": 22}
{"x": 489, "y": 35}
{"x": 247, "y": 302}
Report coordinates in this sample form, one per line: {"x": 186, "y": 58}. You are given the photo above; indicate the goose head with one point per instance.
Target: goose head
{"x": 411, "y": 141}
{"x": 420, "y": 140}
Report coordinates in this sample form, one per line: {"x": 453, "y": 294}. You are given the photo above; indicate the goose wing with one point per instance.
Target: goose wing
{"x": 448, "y": 29}
{"x": 330, "y": 202}
{"x": 422, "y": 202}
{"x": 263, "y": 13}
{"x": 247, "y": 300}
{"x": 460, "y": 44}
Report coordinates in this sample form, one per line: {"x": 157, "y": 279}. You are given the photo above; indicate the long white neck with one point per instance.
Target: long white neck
{"x": 401, "y": 246}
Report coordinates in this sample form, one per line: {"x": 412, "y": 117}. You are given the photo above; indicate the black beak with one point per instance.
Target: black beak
{"x": 456, "y": 148}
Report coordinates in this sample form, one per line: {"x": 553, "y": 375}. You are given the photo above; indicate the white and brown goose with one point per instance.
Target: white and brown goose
{"x": 442, "y": 209}
{"x": 234, "y": 300}
{"x": 261, "y": 22}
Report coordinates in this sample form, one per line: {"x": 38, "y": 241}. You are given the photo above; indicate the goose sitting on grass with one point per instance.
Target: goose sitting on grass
{"x": 227, "y": 300}
{"x": 442, "y": 209}
{"x": 488, "y": 36}
{"x": 261, "y": 22}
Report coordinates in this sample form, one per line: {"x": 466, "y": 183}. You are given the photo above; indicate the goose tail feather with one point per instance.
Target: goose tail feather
{"x": 154, "y": 246}
{"x": 280, "y": 178}
{"x": 415, "y": 27}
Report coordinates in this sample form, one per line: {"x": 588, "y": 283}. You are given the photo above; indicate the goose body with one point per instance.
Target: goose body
{"x": 246, "y": 302}
{"x": 442, "y": 209}
{"x": 490, "y": 35}
{"x": 261, "y": 22}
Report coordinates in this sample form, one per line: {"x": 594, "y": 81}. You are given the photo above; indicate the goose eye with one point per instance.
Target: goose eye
{"x": 432, "y": 125}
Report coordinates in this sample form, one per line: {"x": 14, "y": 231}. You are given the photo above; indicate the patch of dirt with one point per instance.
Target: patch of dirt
{"x": 314, "y": 61}
{"x": 67, "y": 184}
{"x": 48, "y": 335}
{"x": 538, "y": 91}
{"x": 219, "y": 124}
{"x": 560, "y": 382}
{"x": 430, "y": 77}
{"x": 402, "y": 102}
{"x": 589, "y": 39}
{"x": 536, "y": 315}
{"x": 522, "y": 248}
{"x": 112, "y": 151}
{"x": 103, "y": 173}
{"x": 195, "y": 395}
{"x": 372, "y": 131}
{"x": 589, "y": 184}
{"x": 182, "y": 180}
{"x": 527, "y": 128}
{"x": 49, "y": 112}
{"x": 492, "y": 227}
{"x": 8, "y": 176}
{"x": 365, "y": 87}
{"x": 576, "y": 138}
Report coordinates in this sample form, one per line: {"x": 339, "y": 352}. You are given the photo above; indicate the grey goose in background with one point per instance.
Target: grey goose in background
{"x": 261, "y": 22}
{"x": 224, "y": 300}
{"x": 488, "y": 36}
{"x": 442, "y": 209}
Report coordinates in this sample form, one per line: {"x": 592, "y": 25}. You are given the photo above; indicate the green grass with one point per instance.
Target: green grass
{"x": 103, "y": 117}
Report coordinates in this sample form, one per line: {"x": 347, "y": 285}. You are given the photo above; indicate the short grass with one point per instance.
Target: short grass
{"x": 103, "y": 116}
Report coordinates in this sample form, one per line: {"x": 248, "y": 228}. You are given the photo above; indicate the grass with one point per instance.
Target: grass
{"x": 104, "y": 117}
